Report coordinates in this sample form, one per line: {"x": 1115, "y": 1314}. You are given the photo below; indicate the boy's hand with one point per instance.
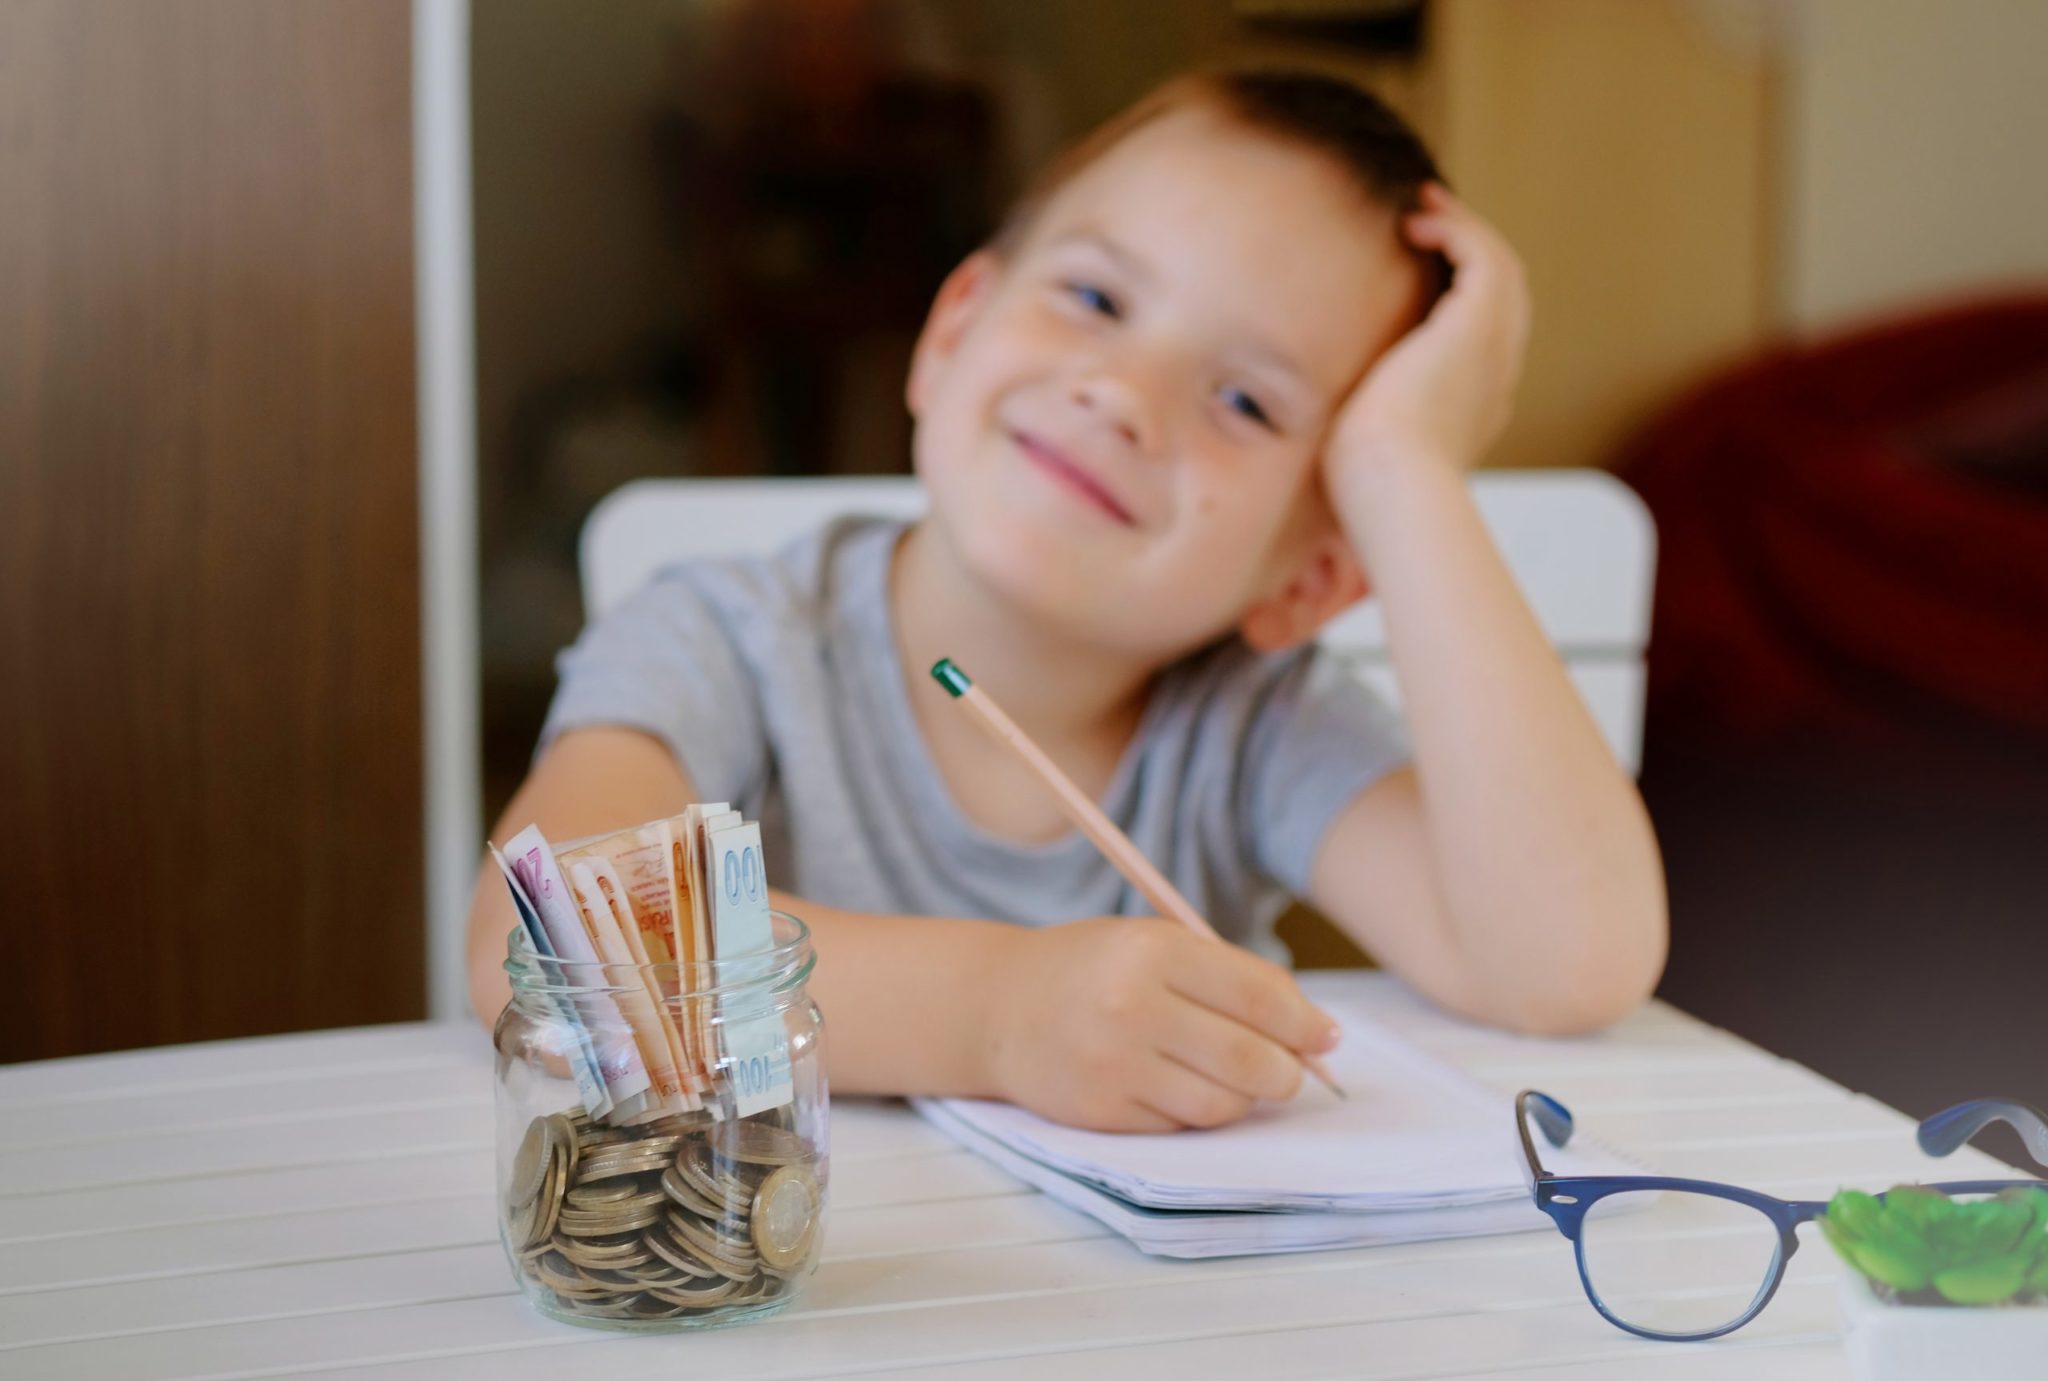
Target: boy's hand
{"x": 1445, "y": 388}
{"x": 1134, "y": 1024}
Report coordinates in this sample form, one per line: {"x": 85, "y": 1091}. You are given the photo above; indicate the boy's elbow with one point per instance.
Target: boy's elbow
{"x": 1594, "y": 990}
{"x": 1576, "y": 1014}
{"x": 488, "y": 991}
{"x": 484, "y": 949}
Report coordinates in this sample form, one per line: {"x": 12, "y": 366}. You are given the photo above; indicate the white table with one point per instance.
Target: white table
{"x": 323, "y": 1203}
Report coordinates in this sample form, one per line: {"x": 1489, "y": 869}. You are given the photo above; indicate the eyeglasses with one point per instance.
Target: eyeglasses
{"x": 1657, "y": 1255}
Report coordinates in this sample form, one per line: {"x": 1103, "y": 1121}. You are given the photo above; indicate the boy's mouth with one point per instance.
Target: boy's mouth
{"x": 1062, "y": 468}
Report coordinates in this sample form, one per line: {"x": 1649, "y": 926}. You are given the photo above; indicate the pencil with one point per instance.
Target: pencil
{"x": 1116, "y": 846}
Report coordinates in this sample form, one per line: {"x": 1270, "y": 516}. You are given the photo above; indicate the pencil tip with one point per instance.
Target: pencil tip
{"x": 951, "y": 677}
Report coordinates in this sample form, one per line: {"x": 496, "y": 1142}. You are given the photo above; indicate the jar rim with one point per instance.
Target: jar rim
{"x": 783, "y": 966}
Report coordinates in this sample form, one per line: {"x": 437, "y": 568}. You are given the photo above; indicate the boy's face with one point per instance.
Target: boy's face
{"x": 1119, "y": 423}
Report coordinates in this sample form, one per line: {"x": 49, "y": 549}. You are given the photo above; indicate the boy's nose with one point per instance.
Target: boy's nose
{"x": 1118, "y": 404}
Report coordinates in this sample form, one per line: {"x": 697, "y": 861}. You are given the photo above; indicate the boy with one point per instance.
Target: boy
{"x": 1203, "y": 383}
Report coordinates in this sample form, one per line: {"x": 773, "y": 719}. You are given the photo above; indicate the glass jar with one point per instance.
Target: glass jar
{"x": 661, "y": 1135}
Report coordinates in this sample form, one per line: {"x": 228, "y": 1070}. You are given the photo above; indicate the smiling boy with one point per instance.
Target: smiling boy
{"x": 1203, "y": 386}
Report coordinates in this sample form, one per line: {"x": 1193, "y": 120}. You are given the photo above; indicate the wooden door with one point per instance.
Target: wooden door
{"x": 210, "y": 792}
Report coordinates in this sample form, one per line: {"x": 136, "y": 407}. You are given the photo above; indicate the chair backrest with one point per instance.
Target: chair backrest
{"x": 1580, "y": 543}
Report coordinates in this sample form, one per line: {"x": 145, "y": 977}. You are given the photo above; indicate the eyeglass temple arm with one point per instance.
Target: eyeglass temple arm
{"x": 1551, "y": 1117}
{"x": 1947, "y": 1130}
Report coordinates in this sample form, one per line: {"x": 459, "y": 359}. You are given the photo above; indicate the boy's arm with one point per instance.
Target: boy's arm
{"x": 589, "y": 780}
{"x": 1116, "y": 1023}
{"x": 595, "y": 779}
{"x": 1512, "y": 874}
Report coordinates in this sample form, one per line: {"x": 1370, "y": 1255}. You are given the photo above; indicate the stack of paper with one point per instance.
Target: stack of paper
{"x": 1418, "y": 1150}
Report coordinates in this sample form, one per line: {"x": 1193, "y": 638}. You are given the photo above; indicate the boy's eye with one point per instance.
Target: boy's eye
{"x": 1095, "y": 299}
{"x": 1238, "y": 401}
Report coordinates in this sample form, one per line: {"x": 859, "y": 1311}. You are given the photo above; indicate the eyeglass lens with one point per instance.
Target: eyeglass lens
{"x": 1676, "y": 1263}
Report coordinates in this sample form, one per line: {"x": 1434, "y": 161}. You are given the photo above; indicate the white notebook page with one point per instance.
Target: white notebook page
{"x": 1414, "y": 1132}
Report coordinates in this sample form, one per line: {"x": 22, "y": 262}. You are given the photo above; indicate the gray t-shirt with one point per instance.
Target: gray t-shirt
{"x": 776, "y": 684}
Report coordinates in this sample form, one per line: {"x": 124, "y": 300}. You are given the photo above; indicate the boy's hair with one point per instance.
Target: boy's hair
{"x": 1328, "y": 114}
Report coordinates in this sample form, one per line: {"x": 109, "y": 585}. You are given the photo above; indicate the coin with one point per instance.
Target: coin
{"x": 698, "y": 1166}
{"x": 666, "y": 1218}
{"x": 685, "y": 1261}
{"x": 763, "y": 1286}
{"x": 608, "y": 1164}
{"x": 578, "y": 1227}
{"x": 697, "y": 1297}
{"x": 623, "y": 1257}
{"x": 610, "y": 1222}
{"x": 732, "y": 1252}
{"x": 531, "y": 1163}
{"x": 536, "y": 1219}
{"x": 660, "y": 1144}
{"x": 653, "y": 1273}
{"x": 598, "y": 1195}
{"x": 519, "y": 1225}
{"x": 561, "y": 1275}
{"x": 687, "y": 1195}
{"x": 641, "y": 1199}
{"x": 785, "y": 1217}
{"x": 597, "y": 1138}
{"x": 647, "y": 1307}
{"x": 682, "y": 1123}
{"x": 698, "y": 1247}
{"x": 760, "y": 1143}
{"x": 566, "y": 1144}
{"x": 549, "y": 1205}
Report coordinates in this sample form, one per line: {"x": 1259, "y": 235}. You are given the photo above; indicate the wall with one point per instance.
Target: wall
{"x": 1622, "y": 146}
{"x": 210, "y": 770}
{"x": 570, "y": 259}
{"x": 1914, "y": 139}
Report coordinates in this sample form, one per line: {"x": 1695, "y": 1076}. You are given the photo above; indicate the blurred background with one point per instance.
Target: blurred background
{"x": 324, "y": 324}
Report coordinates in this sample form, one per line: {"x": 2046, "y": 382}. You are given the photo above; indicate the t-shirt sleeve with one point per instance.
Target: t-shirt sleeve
{"x": 1320, "y": 737}
{"x": 665, "y": 661}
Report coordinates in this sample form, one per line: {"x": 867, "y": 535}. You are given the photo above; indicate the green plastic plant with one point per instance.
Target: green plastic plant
{"x": 1918, "y": 1246}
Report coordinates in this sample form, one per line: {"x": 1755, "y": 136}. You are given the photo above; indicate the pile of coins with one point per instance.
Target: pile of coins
{"x": 668, "y": 1219}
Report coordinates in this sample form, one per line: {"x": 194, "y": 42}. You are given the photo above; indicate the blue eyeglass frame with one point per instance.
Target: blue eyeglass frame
{"x": 1565, "y": 1198}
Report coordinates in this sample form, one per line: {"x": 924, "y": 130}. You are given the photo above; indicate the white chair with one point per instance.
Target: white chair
{"x": 1579, "y": 542}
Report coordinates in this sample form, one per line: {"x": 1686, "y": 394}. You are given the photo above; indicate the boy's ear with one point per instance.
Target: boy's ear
{"x": 953, "y": 311}
{"x": 1325, "y": 582}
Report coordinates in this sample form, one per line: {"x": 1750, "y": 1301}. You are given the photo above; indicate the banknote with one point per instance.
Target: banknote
{"x": 691, "y": 945}
{"x": 654, "y": 873}
{"x": 690, "y": 824}
{"x": 687, "y": 890}
{"x": 756, "y": 1046}
{"x": 637, "y": 1003}
{"x": 582, "y": 1057}
{"x": 618, "y": 1054}
{"x": 660, "y": 990}
{"x": 643, "y": 859}
{"x": 641, "y": 867}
